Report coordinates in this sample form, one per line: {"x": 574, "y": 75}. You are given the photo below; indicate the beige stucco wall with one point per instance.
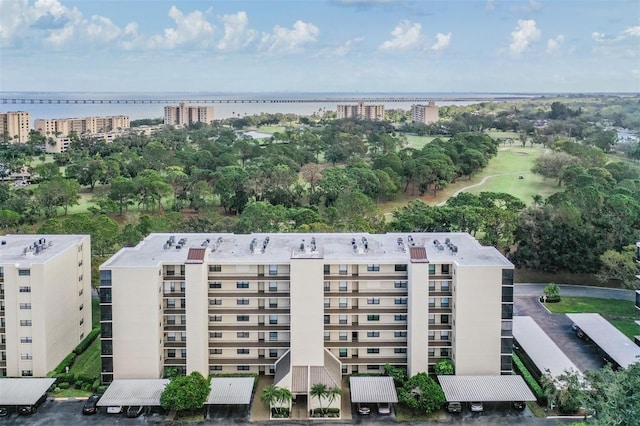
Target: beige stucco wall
{"x": 197, "y": 307}
{"x": 418, "y": 311}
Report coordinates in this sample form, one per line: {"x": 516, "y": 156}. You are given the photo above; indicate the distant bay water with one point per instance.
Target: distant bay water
{"x": 45, "y": 104}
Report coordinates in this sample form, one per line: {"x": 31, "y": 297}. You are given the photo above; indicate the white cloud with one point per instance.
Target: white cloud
{"x": 237, "y": 33}
{"x": 523, "y": 35}
{"x": 491, "y": 5}
{"x": 442, "y": 42}
{"x": 193, "y": 27}
{"x": 630, "y": 32}
{"x": 405, "y": 36}
{"x": 286, "y": 40}
{"x": 530, "y": 7}
{"x": 342, "y": 49}
{"x": 553, "y": 44}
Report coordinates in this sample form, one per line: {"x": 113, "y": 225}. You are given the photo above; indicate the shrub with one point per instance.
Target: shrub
{"x": 66, "y": 362}
{"x": 63, "y": 385}
{"x": 82, "y": 346}
{"x": 528, "y": 378}
{"x": 552, "y": 291}
{"x": 444, "y": 367}
{"x": 96, "y": 385}
{"x": 102, "y": 389}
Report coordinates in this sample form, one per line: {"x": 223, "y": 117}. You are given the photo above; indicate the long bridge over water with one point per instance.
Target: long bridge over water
{"x": 337, "y": 100}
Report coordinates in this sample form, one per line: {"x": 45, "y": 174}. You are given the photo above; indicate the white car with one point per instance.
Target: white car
{"x": 476, "y": 407}
{"x": 114, "y": 409}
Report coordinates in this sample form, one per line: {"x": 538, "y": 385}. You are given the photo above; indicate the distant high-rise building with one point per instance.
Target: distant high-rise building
{"x": 86, "y": 125}
{"x": 426, "y": 114}
{"x": 45, "y": 301}
{"x": 15, "y": 126}
{"x": 361, "y": 111}
{"x": 185, "y": 115}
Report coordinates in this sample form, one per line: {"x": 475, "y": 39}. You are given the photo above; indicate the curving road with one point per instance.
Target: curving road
{"x": 531, "y": 289}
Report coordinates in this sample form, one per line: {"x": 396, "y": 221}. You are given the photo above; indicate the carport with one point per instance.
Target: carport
{"x": 230, "y": 396}
{"x": 24, "y": 391}
{"x": 609, "y": 339}
{"x": 133, "y": 392}
{"x": 373, "y": 390}
{"x": 485, "y": 388}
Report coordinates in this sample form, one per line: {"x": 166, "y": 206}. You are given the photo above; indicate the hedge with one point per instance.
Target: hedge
{"x": 526, "y": 375}
{"x": 82, "y": 346}
{"x": 66, "y": 362}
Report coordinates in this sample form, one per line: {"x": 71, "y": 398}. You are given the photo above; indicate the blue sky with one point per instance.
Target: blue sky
{"x": 320, "y": 45}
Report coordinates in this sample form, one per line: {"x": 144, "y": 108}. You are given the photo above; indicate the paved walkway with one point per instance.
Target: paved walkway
{"x": 522, "y": 289}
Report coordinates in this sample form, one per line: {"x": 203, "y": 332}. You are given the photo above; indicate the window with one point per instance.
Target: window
{"x": 445, "y": 285}
{"x": 400, "y": 317}
{"x": 273, "y": 336}
{"x": 171, "y": 337}
{"x": 400, "y": 334}
{"x": 273, "y": 303}
{"x": 373, "y": 350}
{"x": 400, "y": 268}
{"x": 400, "y": 300}
{"x": 273, "y": 353}
{"x": 216, "y": 368}
{"x": 342, "y": 352}
{"x": 25, "y": 289}
{"x": 273, "y": 319}
{"x": 171, "y": 353}
{"x": 27, "y": 373}
{"x": 215, "y": 301}
{"x": 432, "y": 302}
{"x": 343, "y": 335}
{"x": 216, "y": 335}
{"x": 507, "y": 277}
{"x": 373, "y": 301}
{"x": 343, "y": 270}
{"x": 171, "y": 303}
{"x": 183, "y": 336}
{"x": 273, "y": 269}
{"x": 25, "y": 323}
{"x": 171, "y": 320}
{"x": 273, "y": 286}
{"x": 81, "y": 307}
{"x": 214, "y": 285}
{"x": 243, "y": 368}
{"x": 327, "y": 319}
{"x": 432, "y": 319}
{"x": 241, "y": 318}
{"x": 215, "y": 268}
{"x": 400, "y": 284}
{"x": 373, "y": 334}
{"x": 243, "y": 301}
{"x": 400, "y": 350}
{"x": 373, "y": 367}
{"x": 375, "y": 317}
{"x": 444, "y": 319}
{"x": 444, "y": 335}
{"x": 373, "y": 268}
{"x": 242, "y": 334}
{"x": 506, "y": 346}
{"x": 105, "y": 278}
{"x": 505, "y": 362}
{"x": 432, "y": 335}
{"x": 327, "y": 302}
{"x": 432, "y": 269}
{"x": 432, "y": 352}
{"x": 215, "y": 318}
{"x": 242, "y": 284}
{"x": 25, "y": 340}
{"x": 327, "y": 269}
{"x": 343, "y": 302}
{"x": 444, "y": 302}
{"x": 243, "y": 351}
{"x": 183, "y": 319}
{"x": 432, "y": 285}
{"x": 506, "y": 327}
{"x": 444, "y": 352}
{"x": 327, "y": 286}
{"x": 25, "y": 306}
{"x": 24, "y": 272}
{"x": 216, "y": 351}
{"x": 344, "y": 286}
{"x": 26, "y": 356}
{"x": 327, "y": 335}
{"x": 507, "y": 294}
{"x": 507, "y": 311}
{"x": 342, "y": 319}
{"x": 444, "y": 269}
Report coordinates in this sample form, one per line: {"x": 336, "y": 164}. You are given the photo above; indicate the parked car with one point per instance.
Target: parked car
{"x": 364, "y": 410}
{"x": 4, "y": 411}
{"x": 476, "y": 407}
{"x": 27, "y": 410}
{"x": 135, "y": 411}
{"x": 384, "y": 408}
{"x": 454, "y": 407}
{"x": 91, "y": 404}
{"x": 519, "y": 405}
{"x": 114, "y": 409}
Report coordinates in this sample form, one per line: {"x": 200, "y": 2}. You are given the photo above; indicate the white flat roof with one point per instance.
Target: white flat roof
{"x": 20, "y": 249}
{"x": 225, "y": 248}
{"x": 23, "y": 391}
{"x": 372, "y": 389}
{"x": 485, "y": 388}
{"x": 230, "y": 390}
{"x": 544, "y": 353}
{"x": 133, "y": 392}
{"x": 608, "y": 338}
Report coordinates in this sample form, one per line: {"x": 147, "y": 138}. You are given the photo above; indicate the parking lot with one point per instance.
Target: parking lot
{"x": 229, "y": 414}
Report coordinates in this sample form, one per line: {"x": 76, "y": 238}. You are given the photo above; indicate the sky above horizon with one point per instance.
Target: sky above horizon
{"x": 320, "y": 45}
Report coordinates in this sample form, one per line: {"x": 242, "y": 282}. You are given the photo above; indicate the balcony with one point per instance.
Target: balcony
{"x": 365, "y": 344}
{"x": 401, "y": 326}
{"x": 240, "y": 327}
{"x": 214, "y": 343}
{"x": 216, "y": 293}
{"x": 242, "y": 361}
{"x": 219, "y": 310}
{"x": 439, "y": 326}
{"x": 379, "y": 360}
{"x": 174, "y": 311}
{"x": 175, "y": 344}
{"x": 370, "y": 309}
{"x": 168, "y": 362}
{"x": 358, "y": 293}
{"x": 175, "y": 327}
{"x": 440, "y": 343}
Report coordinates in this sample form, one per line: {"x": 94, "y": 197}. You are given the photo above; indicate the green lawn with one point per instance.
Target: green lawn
{"x": 620, "y": 313}
{"x": 270, "y": 129}
{"x": 88, "y": 362}
{"x": 95, "y": 312}
{"x": 71, "y": 393}
{"x": 417, "y": 142}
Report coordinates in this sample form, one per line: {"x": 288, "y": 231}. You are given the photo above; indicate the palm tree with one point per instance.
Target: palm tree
{"x": 319, "y": 390}
{"x": 284, "y": 395}
{"x": 333, "y": 393}
{"x": 269, "y": 396}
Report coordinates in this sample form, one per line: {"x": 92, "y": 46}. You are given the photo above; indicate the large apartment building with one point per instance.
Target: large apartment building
{"x": 185, "y": 115}
{"x": 361, "y": 111}
{"x": 281, "y": 303}
{"x": 426, "y": 114}
{"x": 86, "y": 125}
{"x": 15, "y": 126}
{"x": 45, "y": 301}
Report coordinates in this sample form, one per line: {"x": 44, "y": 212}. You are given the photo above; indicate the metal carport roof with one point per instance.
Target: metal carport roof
{"x": 485, "y": 388}
{"x": 608, "y": 338}
{"x": 544, "y": 353}
{"x": 145, "y": 392}
{"x": 230, "y": 390}
{"x": 23, "y": 391}
{"x": 371, "y": 389}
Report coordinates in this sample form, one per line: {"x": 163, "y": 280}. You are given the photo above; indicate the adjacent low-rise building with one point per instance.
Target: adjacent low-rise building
{"x": 45, "y": 301}
{"x": 80, "y": 126}
{"x": 300, "y": 306}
